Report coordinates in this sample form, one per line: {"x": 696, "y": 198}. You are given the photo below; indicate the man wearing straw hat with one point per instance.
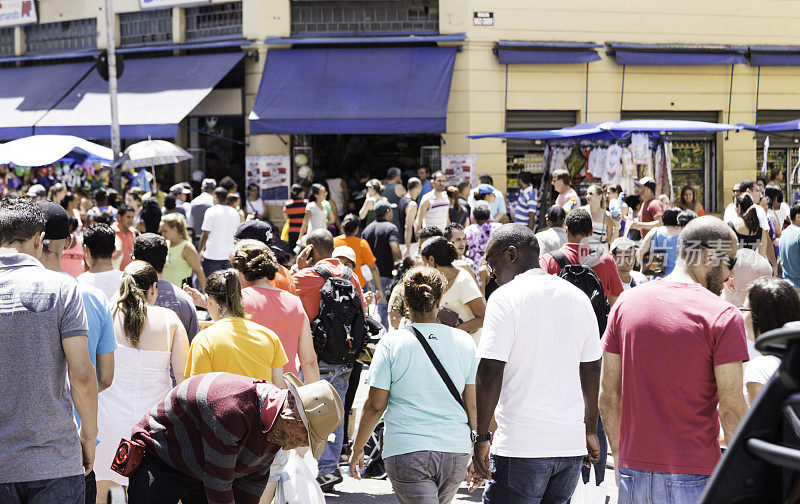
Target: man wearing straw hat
{"x": 213, "y": 437}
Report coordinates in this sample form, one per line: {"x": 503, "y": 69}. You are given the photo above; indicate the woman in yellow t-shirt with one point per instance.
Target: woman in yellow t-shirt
{"x": 234, "y": 344}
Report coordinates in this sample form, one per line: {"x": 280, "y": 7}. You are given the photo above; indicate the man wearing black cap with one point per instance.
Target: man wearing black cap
{"x": 43, "y": 339}
{"x": 102, "y": 341}
{"x": 384, "y": 240}
{"x": 650, "y": 214}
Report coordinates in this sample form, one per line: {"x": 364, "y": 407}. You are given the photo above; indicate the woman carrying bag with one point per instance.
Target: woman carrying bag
{"x": 423, "y": 378}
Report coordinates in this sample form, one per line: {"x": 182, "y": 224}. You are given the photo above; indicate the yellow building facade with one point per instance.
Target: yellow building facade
{"x": 484, "y": 93}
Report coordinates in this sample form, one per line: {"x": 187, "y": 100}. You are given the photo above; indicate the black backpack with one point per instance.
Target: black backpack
{"x": 339, "y": 331}
{"x": 584, "y": 278}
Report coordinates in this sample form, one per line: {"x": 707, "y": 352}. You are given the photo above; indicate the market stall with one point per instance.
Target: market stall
{"x": 782, "y": 155}
{"x": 612, "y": 152}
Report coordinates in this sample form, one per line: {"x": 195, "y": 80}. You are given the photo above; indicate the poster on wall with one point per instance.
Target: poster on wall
{"x": 458, "y": 167}
{"x": 17, "y": 13}
{"x": 160, "y": 4}
{"x": 271, "y": 173}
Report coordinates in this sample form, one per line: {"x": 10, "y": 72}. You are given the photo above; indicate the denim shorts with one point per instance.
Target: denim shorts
{"x": 648, "y": 487}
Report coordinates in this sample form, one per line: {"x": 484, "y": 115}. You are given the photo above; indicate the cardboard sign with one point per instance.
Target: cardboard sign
{"x": 271, "y": 173}
{"x": 458, "y": 167}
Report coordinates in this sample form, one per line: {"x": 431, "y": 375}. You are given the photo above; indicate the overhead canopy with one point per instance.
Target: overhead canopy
{"x": 536, "y": 52}
{"x": 155, "y": 94}
{"x": 774, "y": 55}
{"x": 793, "y": 125}
{"x": 41, "y": 150}
{"x": 611, "y": 130}
{"x": 354, "y": 90}
{"x": 676, "y": 54}
{"x": 27, "y": 93}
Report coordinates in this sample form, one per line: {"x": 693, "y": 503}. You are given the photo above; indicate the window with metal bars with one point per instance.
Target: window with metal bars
{"x": 77, "y": 34}
{"x": 6, "y": 41}
{"x": 358, "y": 16}
{"x": 145, "y": 27}
{"x": 217, "y": 20}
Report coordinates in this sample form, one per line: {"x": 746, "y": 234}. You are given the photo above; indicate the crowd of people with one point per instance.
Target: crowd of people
{"x": 220, "y": 343}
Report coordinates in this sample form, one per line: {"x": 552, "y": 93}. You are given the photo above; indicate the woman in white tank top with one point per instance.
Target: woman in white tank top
{"x": 150, "y": 340}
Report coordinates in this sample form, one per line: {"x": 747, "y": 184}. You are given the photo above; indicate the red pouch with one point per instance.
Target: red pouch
{"x": 129, "y": 456}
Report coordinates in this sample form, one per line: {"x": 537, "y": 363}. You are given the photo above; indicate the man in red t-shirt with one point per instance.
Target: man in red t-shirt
{"x": 319, "y": 251}
{"x": 650, "y": 213}
{"x": 673, "y": 352}
{"x": 579, "y": 227}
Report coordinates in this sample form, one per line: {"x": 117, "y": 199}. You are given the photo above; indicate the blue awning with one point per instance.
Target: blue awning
{"x": 354, "y": 90}
{"x": 155, "y": 94}
{"x": 774, "y": 55}
{"x": 365, "y": 39}
{"x": 676, "y": 54}
{"x": 214, "y": 43}
{"x": 611, "y": 130}
{"x": 545, "y": 52}
{"x": 793, "y": 125}
{"x": 27, "y": 93}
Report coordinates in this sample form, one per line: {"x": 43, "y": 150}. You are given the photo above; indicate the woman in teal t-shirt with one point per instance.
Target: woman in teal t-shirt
{"x": 427, "y": 437}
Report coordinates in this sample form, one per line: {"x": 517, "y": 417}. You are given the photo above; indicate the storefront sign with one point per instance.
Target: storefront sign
{"x": 271, "y": 173}
{"x": 483, "y": 18}
{"x": 160, "y": 4}
{"x": 17, "y": 12}
{"x": 458, "y": 167}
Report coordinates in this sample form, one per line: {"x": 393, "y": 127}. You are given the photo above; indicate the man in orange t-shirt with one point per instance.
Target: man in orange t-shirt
{"x": 364, "y": 255}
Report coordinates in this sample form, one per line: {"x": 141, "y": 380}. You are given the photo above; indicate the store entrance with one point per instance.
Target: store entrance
{"x": 357, "y": 156}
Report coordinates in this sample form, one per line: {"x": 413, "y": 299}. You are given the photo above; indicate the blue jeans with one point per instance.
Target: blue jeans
{"x": 547, "y": 480}
{"x": 383, "y": 306}
{"x": 69, "y": 490}
{"x": 339, "y": 377}
{"x": 647, "y": 487}
{"x": 212, "y": 265}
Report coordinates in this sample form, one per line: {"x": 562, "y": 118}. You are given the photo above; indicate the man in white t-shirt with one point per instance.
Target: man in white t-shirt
{"x": 749, "y": 187}
{"x": 219, "y": 226}
{"x": 434, "y": 208}
{"x": 98, "y": 247}
{"x": 540, "y": 358}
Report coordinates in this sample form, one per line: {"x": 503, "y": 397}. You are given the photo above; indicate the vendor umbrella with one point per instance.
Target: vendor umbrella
{"x": 153, "y": 153}
{"x": 42, "y": 150}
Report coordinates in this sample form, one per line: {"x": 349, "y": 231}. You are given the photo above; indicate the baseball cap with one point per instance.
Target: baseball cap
{"x": 346, "y": 252}
{"x": 37, "y": 190}
{"x": 209, "y": 184}
{"x": 647, "y": 181}
{"x": 56, "y": 220}
{"x": 254, "y": 230}
{"x": 622, "y": 243}
{"x": 485, "y": 189}
{"x": 382, "y": 207}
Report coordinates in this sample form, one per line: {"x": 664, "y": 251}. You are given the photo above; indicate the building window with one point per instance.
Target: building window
{"x": 145, "y": 27}
{"x": 78, "y": 34}
{"x": 6, "y": 40}
{"x": 359, "y": 16}
{"x": 217, "y": 20}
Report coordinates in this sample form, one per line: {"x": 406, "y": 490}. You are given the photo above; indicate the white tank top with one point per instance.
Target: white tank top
{"x": 438, "y": 212}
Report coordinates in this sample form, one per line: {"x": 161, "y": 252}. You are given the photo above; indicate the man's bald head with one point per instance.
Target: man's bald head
{"x": 750, "y": 266}
{"x": 322, "y": 240}
{"x": 706, "y": 232}
{"x": 512, "y": 249}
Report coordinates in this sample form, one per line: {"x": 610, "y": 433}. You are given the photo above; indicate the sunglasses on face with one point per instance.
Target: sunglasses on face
{"x": 489, "y": 262}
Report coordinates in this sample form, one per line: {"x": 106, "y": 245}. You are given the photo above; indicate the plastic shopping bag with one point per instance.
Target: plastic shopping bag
{"x": 297, "y": 484}
{"x": 589, "y": 493}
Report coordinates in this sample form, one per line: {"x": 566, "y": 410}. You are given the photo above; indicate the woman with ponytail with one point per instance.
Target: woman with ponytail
{"x": 463, "y": 305}
{"x": 150, "y": 340}
{"x": 747, "y": 227}
{"x": 427, "y": 437}
{"x": 234, "y": 344}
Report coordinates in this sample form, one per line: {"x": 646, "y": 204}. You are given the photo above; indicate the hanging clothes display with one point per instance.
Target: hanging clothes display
{"x": 613, "y": 168}
{"x": 628, "y": 172}
{"x": 596, "y": 167}
{"x": 575, "y": 162}
{"x": 640, "y": 148}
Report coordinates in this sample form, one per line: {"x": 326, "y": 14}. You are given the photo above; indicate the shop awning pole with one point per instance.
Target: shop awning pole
{"x": 758, "y": 86}
{"x": 622, "y": 92}
{"x": 730, "y": 98}
{"x": 116, "y": 144}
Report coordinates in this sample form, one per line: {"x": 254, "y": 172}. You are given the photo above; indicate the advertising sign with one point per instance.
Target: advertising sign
{"x": 17, "y": 12}
{"x": 271, "y": 173}
{"x": 458, "y": 167}
{"x": 160, "y": 4}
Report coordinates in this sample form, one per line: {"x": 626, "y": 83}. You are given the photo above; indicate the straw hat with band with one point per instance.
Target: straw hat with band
{"x": 322, "y": 410}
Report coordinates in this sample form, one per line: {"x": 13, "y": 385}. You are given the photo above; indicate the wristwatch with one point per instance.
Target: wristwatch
{"x": 480, "y": 438}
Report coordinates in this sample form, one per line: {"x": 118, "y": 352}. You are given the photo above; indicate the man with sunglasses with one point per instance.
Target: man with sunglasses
{"x": 673, "y": 353}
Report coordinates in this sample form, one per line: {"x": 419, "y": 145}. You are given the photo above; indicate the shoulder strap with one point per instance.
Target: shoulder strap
{"x": 560, "y": 258}
{"x": 438, "y": 365}
{"x": 323, "y": 272}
